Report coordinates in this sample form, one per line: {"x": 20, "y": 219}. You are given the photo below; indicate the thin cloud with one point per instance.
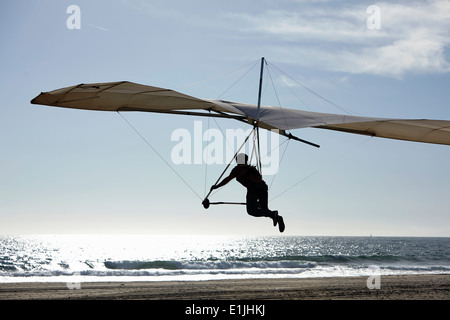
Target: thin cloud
{"x": 412, "y": 38}
{"x": 98, "y": 27}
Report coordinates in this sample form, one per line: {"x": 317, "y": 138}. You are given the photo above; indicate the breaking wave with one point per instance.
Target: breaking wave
{"x": 34, "y": 259}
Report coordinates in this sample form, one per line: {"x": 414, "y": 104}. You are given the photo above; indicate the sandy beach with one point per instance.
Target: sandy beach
{"x": 407, "y": 287}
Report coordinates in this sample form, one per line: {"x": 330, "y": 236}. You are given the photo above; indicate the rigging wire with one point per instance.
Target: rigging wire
{"x": 256, "y": 127}
{"x": 253, "y": 64}
{"x": 281, "y": 160}
{"x": 237, "y": 80}
{"x": 206, "y": 160}
{"x": 313, "y": 92}
{"x": 289, "y": 87}
{"x": 159, "y": 155}
{"x": 229, "y": 164}
{"x": 218, "y": 76}
{"x": 323, "y": 167}
{"x": 285, "y": 122}
{"x": 278, "y": 99}
{"x": 321, "y": 97}
{"x": 229, "y": 144}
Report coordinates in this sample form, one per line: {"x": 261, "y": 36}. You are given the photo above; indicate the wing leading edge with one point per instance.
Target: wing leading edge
{"x": 129, "y": 96}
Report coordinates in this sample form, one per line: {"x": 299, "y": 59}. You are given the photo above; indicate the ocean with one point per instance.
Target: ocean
{"x": 88, "y": 258}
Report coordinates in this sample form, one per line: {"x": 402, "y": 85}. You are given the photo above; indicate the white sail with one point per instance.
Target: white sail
{"x": 129, "y": 96}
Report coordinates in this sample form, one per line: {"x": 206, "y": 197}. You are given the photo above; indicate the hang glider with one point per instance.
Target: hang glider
{"x": 129, "y": 96}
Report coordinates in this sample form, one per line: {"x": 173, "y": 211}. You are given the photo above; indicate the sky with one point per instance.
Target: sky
{"x": 74, "y": 171}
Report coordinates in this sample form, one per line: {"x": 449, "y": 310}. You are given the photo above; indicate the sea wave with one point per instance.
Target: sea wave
{"x": 207, "y": 265}
{"x": 138, "y": 258}
{"x": 295, "y": 261}
{"x": 213, "y": 274}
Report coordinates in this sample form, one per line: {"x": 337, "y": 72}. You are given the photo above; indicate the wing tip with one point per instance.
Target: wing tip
{"x": 35, "y": 100}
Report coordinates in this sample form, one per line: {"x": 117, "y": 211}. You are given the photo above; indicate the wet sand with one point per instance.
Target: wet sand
{"x": 407, "y": 287}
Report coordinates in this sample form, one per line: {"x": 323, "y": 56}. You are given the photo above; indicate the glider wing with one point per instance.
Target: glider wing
{"x": 129, "y": 96}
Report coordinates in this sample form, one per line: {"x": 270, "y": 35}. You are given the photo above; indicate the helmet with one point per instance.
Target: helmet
{"x": 241, "y": 158}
